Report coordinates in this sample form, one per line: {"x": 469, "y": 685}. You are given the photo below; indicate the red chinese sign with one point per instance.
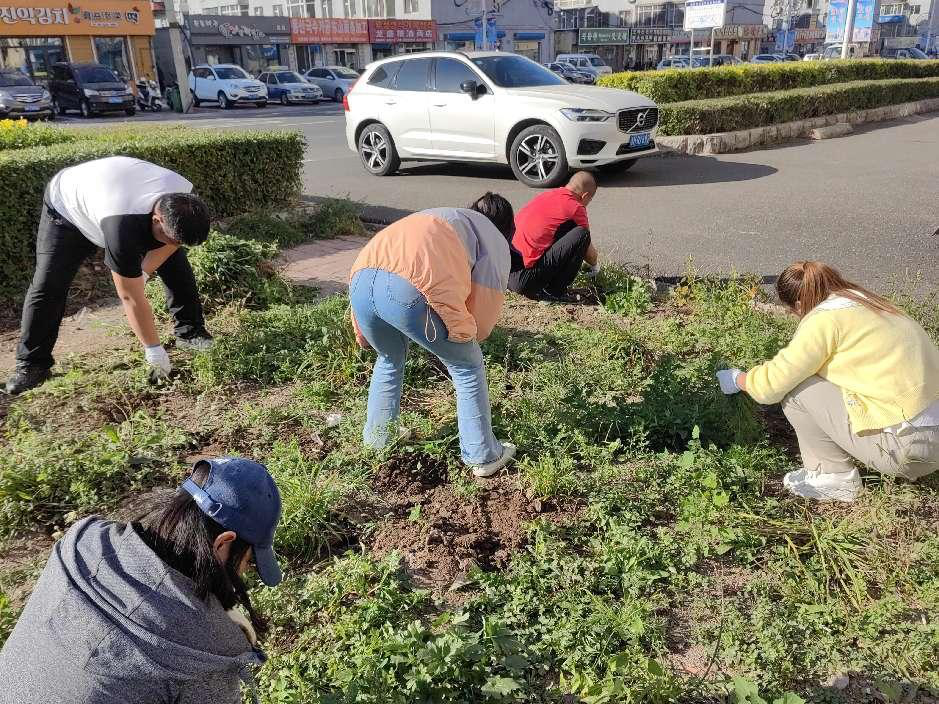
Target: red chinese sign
{"x": 315, "y": 30}
{"x": 402, "y": 31}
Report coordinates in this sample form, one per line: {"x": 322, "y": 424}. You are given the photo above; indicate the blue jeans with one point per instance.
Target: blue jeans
{"x": 390, "y": 313}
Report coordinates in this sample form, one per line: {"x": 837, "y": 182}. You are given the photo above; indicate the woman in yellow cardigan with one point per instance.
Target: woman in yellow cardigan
{"x": 858, "y": 382}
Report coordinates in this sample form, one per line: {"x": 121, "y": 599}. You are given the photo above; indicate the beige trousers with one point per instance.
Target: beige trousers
{"x": 816, "y": 410}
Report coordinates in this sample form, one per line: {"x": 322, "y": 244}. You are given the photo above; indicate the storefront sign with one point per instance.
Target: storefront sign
{"x": 656, "y": 35}
{"x": 310, "y": 30}
{"x": 25, "y": 18}
{"x": 704, "y": 14}
{"x": 742, "y": 31}
{"x": 603, "y": 36}
{"x": 809, "y": 36}
{"x": 218, "y": 29}
{"x": 891, "y": 19}
{"x": 401, "y": 31}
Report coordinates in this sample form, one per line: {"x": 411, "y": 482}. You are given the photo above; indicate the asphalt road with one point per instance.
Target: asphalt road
{"x": 868, "y": 202}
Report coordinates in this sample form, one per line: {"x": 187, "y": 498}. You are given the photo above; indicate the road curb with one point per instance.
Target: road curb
{"x": 726, "y": 142}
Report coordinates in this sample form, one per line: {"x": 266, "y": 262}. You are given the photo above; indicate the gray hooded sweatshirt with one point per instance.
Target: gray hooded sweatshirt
{"x": 110, "y": 623}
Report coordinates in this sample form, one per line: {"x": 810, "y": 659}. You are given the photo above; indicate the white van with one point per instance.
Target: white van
{"x": 585, "y": 62}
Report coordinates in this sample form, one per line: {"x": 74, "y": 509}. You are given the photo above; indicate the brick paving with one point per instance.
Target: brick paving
{"x": 322, "y": 264}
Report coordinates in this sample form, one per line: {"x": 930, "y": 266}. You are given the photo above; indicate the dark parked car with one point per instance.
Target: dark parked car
{"x": 910, "y": 53}
{"x": 89, "y": 88}
{"x": 20, "y": 97}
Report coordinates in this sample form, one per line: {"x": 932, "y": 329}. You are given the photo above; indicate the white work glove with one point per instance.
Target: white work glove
{"x": 727, "y": 378}
{"x": 159, "y": 361}
{"x": 593, "y": 270}
{"x": 146, "y": 277}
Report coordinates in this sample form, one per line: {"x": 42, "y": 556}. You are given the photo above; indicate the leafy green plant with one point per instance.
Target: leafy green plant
{"x": 20, "y": 134}
{"x": 227, "y": 168}
{"x": 333, "y": 217}
{"x": 622, "y": 292}
{"x": 744, "y": 691}
{"x": 706, "y": 116}
{"x": 43, "y": 478}
{"x": 676, "y": 85}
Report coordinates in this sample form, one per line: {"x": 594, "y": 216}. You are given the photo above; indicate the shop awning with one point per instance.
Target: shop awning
{"x": 529, "y": 36}
{"x": 469, "y": 36}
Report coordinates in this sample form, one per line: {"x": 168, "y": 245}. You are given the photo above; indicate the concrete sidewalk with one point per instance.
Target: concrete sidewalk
{"x": 323, "y": 264}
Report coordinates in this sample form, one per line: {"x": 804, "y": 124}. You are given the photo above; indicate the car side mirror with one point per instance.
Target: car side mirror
{"x": 470, "y": 87}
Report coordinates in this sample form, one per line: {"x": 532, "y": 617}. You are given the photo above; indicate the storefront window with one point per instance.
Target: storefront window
{"x": 257, "y": 58}
{"x": 645, "y": 15}
{"x": 31, "y": 56}
{"x": 112, "y": 52}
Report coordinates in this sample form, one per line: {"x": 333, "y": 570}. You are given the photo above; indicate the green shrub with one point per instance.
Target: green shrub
{"x": 232, "y": 270}
{"x": 758, "y": 109}
{"x": 676, "y": 85}
{"x": 19, "y": 134}
{"x": 43, "y": 478}
{"x": 228, "y": 169}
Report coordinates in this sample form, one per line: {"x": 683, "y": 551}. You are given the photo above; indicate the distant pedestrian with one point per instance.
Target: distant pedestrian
{"x": 154, "y": 611}
{"x": 141, "y": 215}
{"x": 552, "y": 240}
{"x": 859, "y": 383}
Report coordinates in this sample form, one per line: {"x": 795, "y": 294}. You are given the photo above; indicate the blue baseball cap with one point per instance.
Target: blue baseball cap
{"x": 241, "y": 496}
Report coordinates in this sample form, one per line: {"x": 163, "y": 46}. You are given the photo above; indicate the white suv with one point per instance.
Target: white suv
{"x": 228, "y": 84}
{"x": 493, "y": 107}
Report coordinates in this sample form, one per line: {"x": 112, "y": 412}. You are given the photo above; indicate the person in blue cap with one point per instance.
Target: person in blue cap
{"x": 153, "y": 611}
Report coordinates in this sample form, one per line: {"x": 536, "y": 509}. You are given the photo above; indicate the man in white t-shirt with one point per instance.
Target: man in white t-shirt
{"x": 140, "y": 214}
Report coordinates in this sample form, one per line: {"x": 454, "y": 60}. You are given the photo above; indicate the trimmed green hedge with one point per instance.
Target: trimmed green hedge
{"x": 19, "y": 134}
{"x": 759, "y": 109}
{"x": 675, "y": 85}
{"x": 233, "y": 171}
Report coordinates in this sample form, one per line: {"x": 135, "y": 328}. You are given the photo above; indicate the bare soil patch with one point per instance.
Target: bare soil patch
{"x": 443, "y": 533}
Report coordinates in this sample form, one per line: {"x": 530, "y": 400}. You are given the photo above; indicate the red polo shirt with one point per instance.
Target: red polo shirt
{"x": 538, "y": 222}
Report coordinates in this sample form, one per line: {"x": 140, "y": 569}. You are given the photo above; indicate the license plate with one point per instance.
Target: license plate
{"x": 639, "y": 140}
{"x": 115, "y": 100}
{"x": 32, "y": 108}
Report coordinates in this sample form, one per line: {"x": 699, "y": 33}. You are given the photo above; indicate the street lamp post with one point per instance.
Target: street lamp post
{"x": 848, "y": 28}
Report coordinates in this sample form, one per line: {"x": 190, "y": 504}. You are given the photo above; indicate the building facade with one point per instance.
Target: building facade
{"x": 520, "y": 26}
{"x": 34, "y": 34}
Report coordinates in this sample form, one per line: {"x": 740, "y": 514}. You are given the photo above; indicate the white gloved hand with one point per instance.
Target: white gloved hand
{"x": 727, "y": 378}
{"x": 146, "y": 277}
{"x": 159, "y": 362}
{"x": 593, "y": 270}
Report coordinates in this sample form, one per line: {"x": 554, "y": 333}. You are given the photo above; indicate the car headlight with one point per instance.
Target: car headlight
{"x": 90, "y": 92}
{"x": 46, "y": 95}
{"x": 586, "y": 115}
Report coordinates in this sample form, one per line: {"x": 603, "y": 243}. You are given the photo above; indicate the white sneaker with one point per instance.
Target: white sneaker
{"x": 824, "y": 486}
{"x": 490, "y": 468}
{"x": 196, "y": 344}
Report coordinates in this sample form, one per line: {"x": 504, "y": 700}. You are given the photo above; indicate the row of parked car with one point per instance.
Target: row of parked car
{"x": 831, "y": 52}
{"x": 230, "y": 85}
{"x": 89, "y": 89}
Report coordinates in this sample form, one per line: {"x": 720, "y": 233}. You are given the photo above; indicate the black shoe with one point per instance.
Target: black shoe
{"x": 26, "y": 378}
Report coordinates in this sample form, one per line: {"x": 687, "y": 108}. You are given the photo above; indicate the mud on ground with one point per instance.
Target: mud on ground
{"x": 443, "y": 530}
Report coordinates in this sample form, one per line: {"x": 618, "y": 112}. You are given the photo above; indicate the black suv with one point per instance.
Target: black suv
{"x": 89, "y": 88}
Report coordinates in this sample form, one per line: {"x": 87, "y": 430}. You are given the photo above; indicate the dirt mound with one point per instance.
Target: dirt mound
{"x": 441, "y": 530}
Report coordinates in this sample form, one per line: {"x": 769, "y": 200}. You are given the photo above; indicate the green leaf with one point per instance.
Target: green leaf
{"x": 500, "y": 687}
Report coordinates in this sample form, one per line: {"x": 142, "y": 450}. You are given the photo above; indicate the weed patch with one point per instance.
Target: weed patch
{"x": 334, "y": 217}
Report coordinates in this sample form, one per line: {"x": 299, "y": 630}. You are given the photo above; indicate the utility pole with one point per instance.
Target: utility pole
{"x": 175, "y": 20}
{"x": 484, "y": 6}
{"x": 848, "y": 28}
{"x": 931, "y": 24}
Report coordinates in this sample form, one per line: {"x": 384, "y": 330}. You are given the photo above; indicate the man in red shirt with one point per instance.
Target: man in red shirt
{"x": 552, "y": 240}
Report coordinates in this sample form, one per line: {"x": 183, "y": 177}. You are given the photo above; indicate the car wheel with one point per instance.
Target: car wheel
{"x": 86, "y": 110}
{"x": 618, "y": 166}
{"x": 57, "y": 107}
{"x": 223, "y": 102}
{"x": 337, "y": 96}
{"x": 284, "y": 100}
{"x": 537, "y": 157}
{"x": 377, "y": 150}
{"x": 262, "y": 104}
{"x": 130, "y": 112}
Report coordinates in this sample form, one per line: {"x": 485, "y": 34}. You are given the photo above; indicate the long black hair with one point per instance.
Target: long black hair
{"x": 183, "y": 537}
{"x": 498, "y": 210}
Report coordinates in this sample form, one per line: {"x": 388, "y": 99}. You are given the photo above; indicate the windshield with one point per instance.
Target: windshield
{"x": 597, "y": 61}
{"x": 916, "y": 53}
{"x": 97, "y": 74}
{"x": 227, "y": 73}
{"x": 345, "y": 73}
{"x": 14, "y": 79}
{"x": 289, "y": 77}
{"x": 517, "y": 72}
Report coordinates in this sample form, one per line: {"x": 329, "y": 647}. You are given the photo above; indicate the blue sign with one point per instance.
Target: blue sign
{"x": 785, "y": 41}
{"x": 891, "y": 19}
{"x": 837, "y": 18}
{"x": 491, "y": 32}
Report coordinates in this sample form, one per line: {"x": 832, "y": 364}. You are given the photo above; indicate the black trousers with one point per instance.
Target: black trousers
{"x": 558, "y": 266}
{"x": 60, "y": 250}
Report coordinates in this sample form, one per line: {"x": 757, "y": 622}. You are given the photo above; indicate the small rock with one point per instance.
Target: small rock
{"x": 333, "y": 419}
{"x": 434, "y": 537}
{"x": 839, "y": 682}
{"x": 535, "y": 506}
